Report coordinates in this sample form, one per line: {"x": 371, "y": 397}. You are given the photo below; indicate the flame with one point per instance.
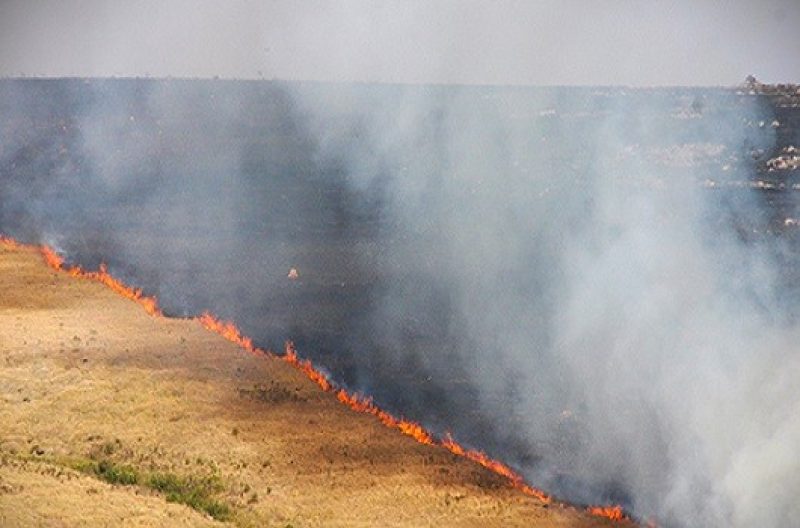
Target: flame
{"x": 495, "y": 466}
{"x": 10, "y": 243}
{"x": 227, "y": 330}
{"x": 52, "y": 258}
{"x": 364, "y": 404}
{"x": 355, "y": 401}
{"x": 615, "y": 513}
{"x": 56, "y": 261}
{"x": 307, "y": 368}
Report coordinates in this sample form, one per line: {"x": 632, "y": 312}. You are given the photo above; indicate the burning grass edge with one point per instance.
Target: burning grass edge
{"x": 356, "y": 401}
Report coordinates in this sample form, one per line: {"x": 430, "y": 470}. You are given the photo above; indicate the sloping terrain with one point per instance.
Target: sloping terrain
{"x": 114, "y": 417}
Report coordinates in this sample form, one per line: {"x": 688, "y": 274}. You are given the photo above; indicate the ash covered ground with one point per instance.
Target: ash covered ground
{"x": 515, "y": 266}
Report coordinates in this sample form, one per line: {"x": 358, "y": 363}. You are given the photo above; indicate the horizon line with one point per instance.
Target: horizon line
{"x": 219, "y": 78}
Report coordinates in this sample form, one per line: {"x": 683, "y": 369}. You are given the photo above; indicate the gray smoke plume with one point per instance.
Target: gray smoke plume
{"x": 625, "y": 319}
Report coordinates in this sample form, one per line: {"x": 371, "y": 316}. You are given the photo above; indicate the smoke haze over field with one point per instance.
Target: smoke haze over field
{"x": 581, "y": 281}
{"x": 525, "y": 268}
{"x": 609, "y": 310}
{"x": 468, "y": 42}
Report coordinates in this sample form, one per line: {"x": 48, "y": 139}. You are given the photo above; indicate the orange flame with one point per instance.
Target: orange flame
{"x": 10, "y": 243}
{"x": 364, "y": 404}
{"x": 307, "y": 368}
{"x": 52, "y": 258}
{"x": 420, "y": 434}
{"x": 227, "y": 330}
{"x": 614, "y": 513}
{"x": 495, "y": 466}
{"x": 56, "y": 261}
{"x": 359, "y": 403}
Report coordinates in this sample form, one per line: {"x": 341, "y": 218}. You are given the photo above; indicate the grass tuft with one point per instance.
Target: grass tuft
{"x": 110, "y": 472}
{"x": 195, "y": 492}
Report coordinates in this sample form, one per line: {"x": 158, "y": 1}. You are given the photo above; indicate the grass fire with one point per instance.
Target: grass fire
{"x": 399, "y": 264}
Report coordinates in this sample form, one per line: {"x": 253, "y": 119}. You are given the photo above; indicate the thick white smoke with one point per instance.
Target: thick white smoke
{"x": 616, "y": 314}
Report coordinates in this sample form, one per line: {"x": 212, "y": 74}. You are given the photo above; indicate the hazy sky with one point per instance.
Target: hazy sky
{"x": 493, "y": 41}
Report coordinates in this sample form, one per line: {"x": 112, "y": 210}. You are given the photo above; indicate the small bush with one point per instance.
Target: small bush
{"x": 110, "y": 472}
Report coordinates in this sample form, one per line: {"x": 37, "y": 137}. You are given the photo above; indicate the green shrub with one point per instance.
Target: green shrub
{"x": 192, "y": 491}
{"x": 195, "y": 492}
{"x": 109, "y": 471}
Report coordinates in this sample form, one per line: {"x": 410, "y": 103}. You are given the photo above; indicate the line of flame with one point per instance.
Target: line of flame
{"x": 55, "y": 261}
{"x": 10, "y": 243}
{"x": 355, "y": 401}
{"x": 615, "y": 513}
{"x": 364, "y": 404}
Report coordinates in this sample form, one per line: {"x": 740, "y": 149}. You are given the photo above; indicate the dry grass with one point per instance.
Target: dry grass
{"x": 113, "y": 417}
